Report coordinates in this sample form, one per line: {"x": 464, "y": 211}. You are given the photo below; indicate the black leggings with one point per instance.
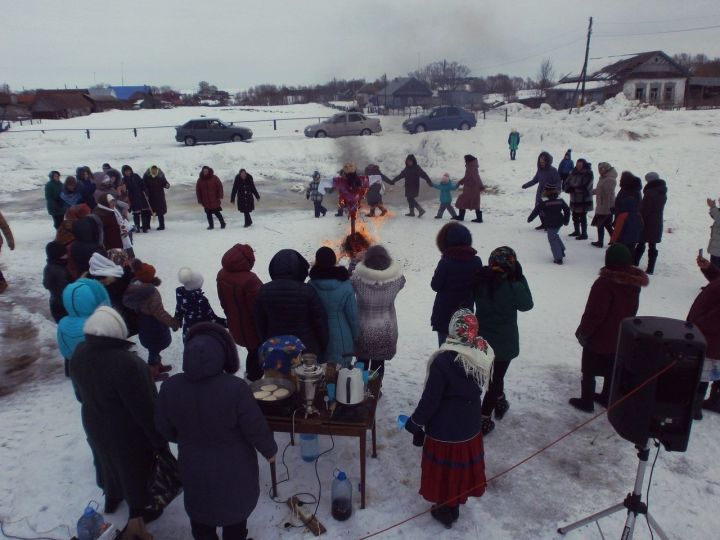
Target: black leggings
{"x": 496, "y": 388}
{"x": 214, "y": 212}
{"x": 413, "y": 204}
{"x": 201, "y": 531}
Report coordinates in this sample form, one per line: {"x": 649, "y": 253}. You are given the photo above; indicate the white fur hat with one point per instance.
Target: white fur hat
{"x": 190, "y": 279}
{"x": 106, "y": 322}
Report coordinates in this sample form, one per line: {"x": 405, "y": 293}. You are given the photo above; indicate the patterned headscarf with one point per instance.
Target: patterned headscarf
{"x": 464, "y": 330}
{"x": 503, "y": 258}
{"x": 278, "y": 353}
{"x": 118, "y": 256}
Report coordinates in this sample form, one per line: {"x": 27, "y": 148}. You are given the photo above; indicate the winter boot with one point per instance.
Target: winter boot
{"x": 339, "y": 213}
{"x": 501, "y": 407}
{"x": 652, "y": 258}
{"x": 597, "y": 244}
{"x": 713, "y": 402}
{"x": 222, "y": 221}
{"x": 421, "y": 211}
{"x": 455, "y": 512}
{"x": 587, "y": 391}
{"x": 486, "y": 425}
{"x": 582, "y": 405}
{"x": 411, "y": 213}
{"x": 443, "y": 514}
{"x": 383, "y": 210}
{"x": 136, "y": 221}
{"x": 576, "y": 226}
{"x": 161, "y": 223}
{"x": 460, "y": 216}
{"x": 478, "y": 217}
{"x": 371, "y": 213}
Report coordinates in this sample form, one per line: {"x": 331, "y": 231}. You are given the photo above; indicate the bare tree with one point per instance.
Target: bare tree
{"x": 454, "y": 74}
{"x": 5, "y": 87}
{"x": 546, "y": 75}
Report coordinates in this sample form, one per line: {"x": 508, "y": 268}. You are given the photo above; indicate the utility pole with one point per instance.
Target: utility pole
{"x": 583, "y": 73}
{"x": 122, "y": 73}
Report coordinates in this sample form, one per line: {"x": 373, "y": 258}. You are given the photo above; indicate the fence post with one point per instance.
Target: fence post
{"x": 506, "y": 115}
{"x": 483, "y": 114}
{"x": 135, "y": 132}
{"x": 274, "y": 125}
{"x": 87, "y": 133}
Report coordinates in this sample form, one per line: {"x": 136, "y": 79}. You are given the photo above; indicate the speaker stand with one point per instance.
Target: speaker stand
{"x": 633, "y": 503}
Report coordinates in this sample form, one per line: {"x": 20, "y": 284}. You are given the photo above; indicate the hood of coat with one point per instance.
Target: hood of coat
{"x": 326, "y": 284}
{"x": 548, "y": 159}
{"x": 608, "y": 172}
{"x": 239, "y": 258}
{"x": 77, "y": 212}
{"x": 289, "y": 264}
{"x": 658, "y": 185}
{"x": 82, "y": 297}
{"x": 86, "y": 230}
{"x": 209, "y": 350}
{"x": 368, "y": 275}
{"x": 210, "y": 174}
{"x": 149, "y": 173}
{"x": 413, "y": 161}
{"x": 137, "y": 293}
{"x": 339, "y": 273}
{"x": 472, "y": 165}
{"x": 628, "y": 275}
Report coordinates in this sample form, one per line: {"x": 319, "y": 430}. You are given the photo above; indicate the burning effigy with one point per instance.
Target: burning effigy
{"x": 352, "y": 189}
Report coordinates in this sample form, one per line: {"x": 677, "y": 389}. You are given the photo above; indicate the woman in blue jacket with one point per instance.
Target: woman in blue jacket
{"x": 338, "y": 297}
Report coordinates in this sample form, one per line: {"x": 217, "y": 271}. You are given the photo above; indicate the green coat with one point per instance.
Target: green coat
{"x": 497, "y": 315}
{"x": 55, "y": 206}
{"x": 514, "y": 140}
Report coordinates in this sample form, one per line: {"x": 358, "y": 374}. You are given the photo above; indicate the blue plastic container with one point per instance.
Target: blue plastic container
{"x": 91, "y": 525}
{"x": 309, "y": 447}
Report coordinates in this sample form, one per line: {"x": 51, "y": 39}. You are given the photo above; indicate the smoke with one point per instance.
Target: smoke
{"x": 353, "y": 149}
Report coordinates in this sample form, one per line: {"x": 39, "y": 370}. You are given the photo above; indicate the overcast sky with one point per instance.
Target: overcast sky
{"x": 235, "y": 44}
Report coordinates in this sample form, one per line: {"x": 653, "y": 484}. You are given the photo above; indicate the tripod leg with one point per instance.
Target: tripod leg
{"x": 599, "y": 515}
{"x": 658, "y": 530}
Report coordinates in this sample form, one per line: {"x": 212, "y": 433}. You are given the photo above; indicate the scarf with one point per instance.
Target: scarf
{"x": 477, "y": 361}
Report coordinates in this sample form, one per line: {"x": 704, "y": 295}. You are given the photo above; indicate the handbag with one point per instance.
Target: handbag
{"x": 165, "y": 483}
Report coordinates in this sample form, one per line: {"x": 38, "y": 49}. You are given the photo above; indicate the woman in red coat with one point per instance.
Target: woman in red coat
{"x": 705, "y": 314}
{"x": 614, "y": 296}
{"x": 237, "y": 289}
{"x": 112, "y": 235}
{"x": 209, "y": 191}
{"x": 472, "y": 187}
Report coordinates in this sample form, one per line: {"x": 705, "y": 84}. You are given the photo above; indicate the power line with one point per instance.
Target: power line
{"x": 696, "y": 29}
{"x": 676, "y": 19}
{"x": 515, "y": 61}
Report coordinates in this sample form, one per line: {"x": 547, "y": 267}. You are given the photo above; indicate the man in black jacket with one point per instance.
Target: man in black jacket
{"x": 289, "y": 306}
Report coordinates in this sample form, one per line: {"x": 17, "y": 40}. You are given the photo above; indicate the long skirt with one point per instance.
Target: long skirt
{"x": 452, "y": 472}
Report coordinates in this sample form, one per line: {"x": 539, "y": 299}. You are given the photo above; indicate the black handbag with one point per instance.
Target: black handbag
{"x": 165, "y": 483}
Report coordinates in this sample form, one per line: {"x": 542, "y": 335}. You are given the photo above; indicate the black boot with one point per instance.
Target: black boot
{"x": 478, "y": 216}
{"x": 455, "y": 510}
{"x": 444, "y": 515}
{"x": 576, "y": 226}
{"x": 421, "y": 211}
{"x": 211, "y": 225}
{"x": 587, "y": 392}
{"x": 339, "y": 213}
{"x": 713, "y": 402}
{"x": 460, "y": 216}
{"x": 501, "y": 407}
{"x": 161, "y": 223}
{"x": 136, "y": 221}
{"x": 652, "y": 258}
{"x": 583, "y": 228}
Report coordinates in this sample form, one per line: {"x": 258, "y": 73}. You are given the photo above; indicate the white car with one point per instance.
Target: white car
{"x": 345, "y": 123}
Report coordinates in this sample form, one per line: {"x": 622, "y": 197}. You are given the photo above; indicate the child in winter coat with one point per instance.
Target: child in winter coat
{"x": 375, "y": 191}
{"x": 154, "y": 323}
{"x": 71, "y": 194}
{"x": 5, "y": 230}
{"x": 446, "y": 187}
{"x": 446, "y": 422}
{"x": 313, "y": 193}
{"x": 501, "y": 292}
{"x": 554, "y": 214}
{"x": 566, "y": 165}
{"x": 614, "y": 296}
{"x": 513, "y": 143}
{"x": 191, "y": 305}
{"x": 714, "y": 245}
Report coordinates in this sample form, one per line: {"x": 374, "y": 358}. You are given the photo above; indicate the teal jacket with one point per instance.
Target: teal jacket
{"x": 81, "y": 298}
{"x": 445, "y": 191}
{"x": 496, "y": 312}
{"x": 514, "y": 140}
{"x": 338, "y": 298}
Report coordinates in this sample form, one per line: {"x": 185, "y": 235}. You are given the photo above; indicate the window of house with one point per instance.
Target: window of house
{"x": 669, "y": 92}
{"x": 654, "y": 93}
{"x": 640, "y": 91}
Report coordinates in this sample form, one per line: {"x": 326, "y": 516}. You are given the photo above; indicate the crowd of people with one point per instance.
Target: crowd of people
{"x": 101, "y": 294}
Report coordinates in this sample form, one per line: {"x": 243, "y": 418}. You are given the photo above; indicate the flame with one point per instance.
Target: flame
{"x": 367, "y": 227}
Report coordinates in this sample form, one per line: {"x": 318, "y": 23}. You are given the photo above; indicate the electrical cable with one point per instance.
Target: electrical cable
{"x": 696, "y": 29}
{"x": 8, "y": 535}
{"x": 490, "y": 66}
{"x": 647, "y": 493}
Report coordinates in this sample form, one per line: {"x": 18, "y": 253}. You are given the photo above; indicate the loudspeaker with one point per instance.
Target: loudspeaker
{"x": 663, "y": 408}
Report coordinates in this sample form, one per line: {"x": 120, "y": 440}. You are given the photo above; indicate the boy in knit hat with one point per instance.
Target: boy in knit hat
{"x": 191, "y": 305}
{"x": 446, "y": 187}
{"x": 313, "y": 193}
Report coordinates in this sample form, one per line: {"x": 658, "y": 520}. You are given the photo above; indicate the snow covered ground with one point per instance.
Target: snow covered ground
{"x": 47, "y": 474}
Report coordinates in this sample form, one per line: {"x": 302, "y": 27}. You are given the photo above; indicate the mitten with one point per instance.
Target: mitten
{"x": 417, "y": 432}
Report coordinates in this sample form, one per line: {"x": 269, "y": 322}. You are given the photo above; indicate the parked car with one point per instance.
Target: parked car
{"x": 445, "y": 117}
{"x": 344, "y": 123}
{"x": 210, "y": 130}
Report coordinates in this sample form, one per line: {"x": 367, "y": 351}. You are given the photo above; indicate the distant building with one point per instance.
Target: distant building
{"x": 131, "y": 93}
{"x": 650, "y": 77}
{"x": 703, "y": 92}
{"x": 55, "y": 104}
{"x": 365, "y": 94}
{"x": 404, "y": 92}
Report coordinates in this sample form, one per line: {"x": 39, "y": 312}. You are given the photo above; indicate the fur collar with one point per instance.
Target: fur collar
{"x": 630, "y": 275}
{"x": 368, "y": 275}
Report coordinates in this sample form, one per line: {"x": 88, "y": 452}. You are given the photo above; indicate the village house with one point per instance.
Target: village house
{"x": 55, "y": 104}
{"x": 404, "y": 92}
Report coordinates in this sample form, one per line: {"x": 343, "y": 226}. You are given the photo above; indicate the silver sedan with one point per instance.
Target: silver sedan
{"x": 345, "y": 123}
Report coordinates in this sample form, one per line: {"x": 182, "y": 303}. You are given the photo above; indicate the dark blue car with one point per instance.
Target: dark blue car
{"x": 445, "y": 117}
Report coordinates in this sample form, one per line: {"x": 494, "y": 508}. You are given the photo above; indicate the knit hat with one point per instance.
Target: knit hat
{"x": 568, "y": 154}
{"x": 458, "y": 235}
{"x": 618, "y": 255}
{"x": 144, "y": 272}
{"x": 118, "y": 256}
{"x": 191, "y": 280}
{"x": 106, "y": 167}
{"x": 469, "y": 158}
{"x": 316, "y": 174}
{"x": 106, "y": 322}
{"x": 504, "y": 258}
{"x": 325, "y": 258}
{"x": 53, "y": 173}
{"x": 278, "y": 353}
{"x": 651, "y": 176}
{"x": 101, "y": 266}
{"x": 55, "y": 251}
{"x": 377, "y": 258}
{"x": 446, "y": 176}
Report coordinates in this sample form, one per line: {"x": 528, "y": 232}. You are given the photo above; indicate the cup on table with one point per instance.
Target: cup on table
{"x": 330, "y": 391}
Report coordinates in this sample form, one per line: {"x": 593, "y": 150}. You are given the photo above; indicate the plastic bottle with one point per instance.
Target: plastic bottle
{"x": 309, "y": 448}
{"x": 91, "y": 525}
{"x": 341, "y": 497}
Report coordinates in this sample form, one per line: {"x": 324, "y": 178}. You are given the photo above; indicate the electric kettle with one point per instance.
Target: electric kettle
{"x": 350, "y": 388}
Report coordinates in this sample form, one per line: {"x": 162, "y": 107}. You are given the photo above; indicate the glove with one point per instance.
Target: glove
{"x": 417, "y": 432}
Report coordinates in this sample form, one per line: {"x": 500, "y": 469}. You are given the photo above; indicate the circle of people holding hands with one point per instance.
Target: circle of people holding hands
{"x": 101, "y": 294}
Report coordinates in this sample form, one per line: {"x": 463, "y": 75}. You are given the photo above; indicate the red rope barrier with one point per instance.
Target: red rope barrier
{"x": 531, "y": 456}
